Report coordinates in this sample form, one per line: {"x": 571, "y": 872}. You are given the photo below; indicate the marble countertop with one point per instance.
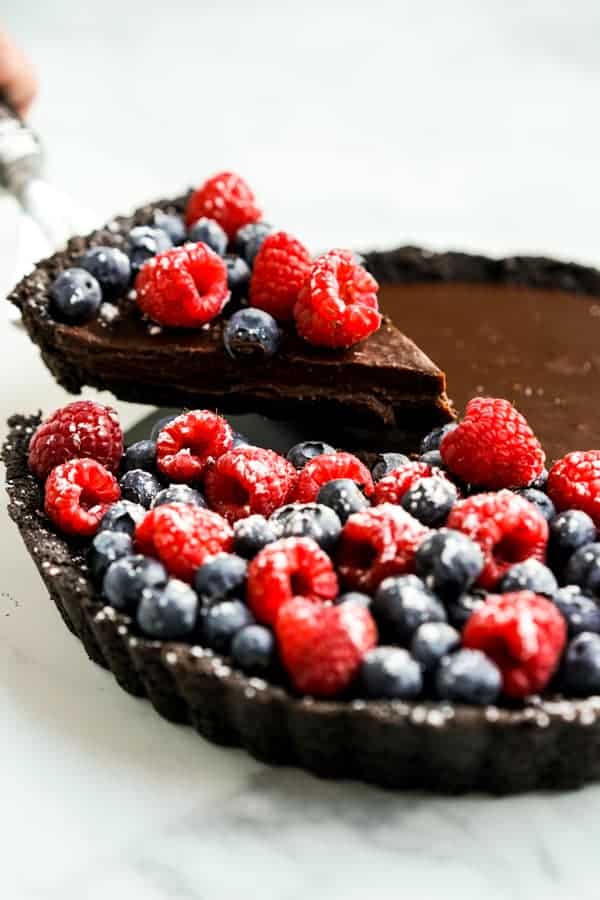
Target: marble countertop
{"x": 453, "y": 125}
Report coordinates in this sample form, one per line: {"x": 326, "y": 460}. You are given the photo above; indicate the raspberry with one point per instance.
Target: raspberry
{"x": 322, "y": 647}
{"x": 188, "y": 443}
{"x": 225, "y": 198}
{"x": 183, "y": 287}
{"x": 79, "y": 429}
{"x": 182, "y": 537}
{"x": 280, "y": 269}
{"x": 574, "y": 483}
{"x": 337, "y": 306}
{"x": 507, "y": 527}
{"x": 327, "y": 467}
{"x": 376, "y": 543}
{"x": 290, "y": 567}
{"x": 78, "y": 493}
{"x": 493, "y": 446}
{"x": 248, "y": 480}
{"x": 392, "y": 488}
{"x": 524, "y": 634}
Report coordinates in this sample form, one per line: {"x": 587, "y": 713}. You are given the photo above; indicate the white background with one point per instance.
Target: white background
{"x": 464, "y": 124}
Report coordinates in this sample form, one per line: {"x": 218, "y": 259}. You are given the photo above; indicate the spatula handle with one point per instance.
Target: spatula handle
{"x": 20, "y": 151}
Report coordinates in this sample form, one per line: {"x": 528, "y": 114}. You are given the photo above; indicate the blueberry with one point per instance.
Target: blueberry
{"x": 402, "y": 603}
{"x": 302, "y": 453}
{"x": 309, "y": 520}
{"x": 386, "y": 463}
{"x": 220, "y": 624}
{"x": 139, "y": 487}
{"x": 468, "y": 676}
{"x": 354, "y": 597}
{"x": 106, "y": 547}
{"x": 122, "y": 516}
{"x": 160, "y": 424}
{"x": 461, "y": 608}
{"x": 581, "y": 613}
{"x": 75, "y": 297}
{"x": 390, "y": 673}
{"x": 541, "y": 500}
{"x": 432, "y": 458}
{"x": 239, "y": 440}
{"x": 433, "y": 440}
{"x": 539, "y": 483}
{"x": 433, "y": 640}
{"x": 253, "y": 650}
{"x": 583, "y": 569}
{"x": 569, "y": 531}
{"x": 220, "y": 578}
{"x": 530, "y": 575}
{"x": 141, "y": 455}
{"x": 343, "y": 496}
{"x": 249, "y": 238}
{"x": 128, "y": 577}
{"x": 430, "y": 500}
{"x": 168, "y": 613}
{"x": 238, "y": 276}
{"x": 110, "y": 267}
{"x": 210, "y": 233}
{"x": 449, "y": 562}
{"x": 145, "y": 242}
{"x": 179, "y": 493}
{"x": 172, "y": 224}
{"x": 251, "y": 534}
{"x": 251, "y": 334}
{"x": 581, "y": 667}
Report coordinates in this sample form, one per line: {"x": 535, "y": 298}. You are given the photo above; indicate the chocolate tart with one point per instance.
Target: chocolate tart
{"x": 547, "y": 743}
{"x": 386, "y": 386}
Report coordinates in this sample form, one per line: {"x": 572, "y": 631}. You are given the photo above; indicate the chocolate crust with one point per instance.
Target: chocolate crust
{"x": 548, "y": 744}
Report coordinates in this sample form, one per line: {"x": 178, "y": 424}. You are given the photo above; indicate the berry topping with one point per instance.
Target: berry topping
{"x": 433, "y": 458}
{"x": 238, "y": 276}
{"x": 249, "y": 239}
{"x": 221, "y": 578}
{"x": 344, "y": 497}
{"x": 468, "y": 676}
{"x": 302, "y": 453}
{"x": 249, "y": 480}
{"x": 574, "y": 483}
{"x": 183, "y": 287}
{"x": 507, "y": 527}
{"x": 172, "y": 224}
{"x": 430, "y": 500}
{"x": 227, "y": 199}
{"x": 111, "y": 269}
{"x": 376, "y": 543}
{"x": 253, "y": 650}
{"x": 541, "y": 500}
{"x": 280, "y": 269}
{"x": 239, "y": 440}
{"x": 75, "y": 297}
{"x": 82, "y": 428}
{"x": 309, "y": 520}
{"x": 122, "y": 516}
{"x": 401, "y": 604}
{"x": 144, "y": 243}
{"x": 386, "y": 463}
{"x": 337, "y": 306}
{"x": 251, "y": 534}
{"x": 220, "y": 623}
{"x": 433, "y": 640}
{"x": 208, "y": 232}
{"x": 290, "y": 567}
{"x": 392, "y": 488}
{"x": 168, "y": 613}
{"x": 141, "y": 455}
{"x": 354, "y": 597}
{"x": 106, "y": 547}
{"x": 190, "y": 443}
{"x": 460, "y": 610}
{"x": 449, "y": 563}
{"x": 251, "y": 334}
{"x": 179, "y": 493}
{"x": 583, "y": 569}
{"x": 569, "y": 531}
{"x": 390, "y": 673}
{"x": 128, "y": 579}
{"x": 582, "y": 665}
{"x": 493, "y": 446}
{"x": 322, "y": 647}
{"x": 140, "y": 487}
{"x": 433, "y": 440}
{"x": 530, "y": 575}
{"x": 524, "y": 634}
{"x": 77, "y": 495}
{"x": 581, "y": 613}
{"x": 328, "y": 467}
{"x": 183, "y": 537}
